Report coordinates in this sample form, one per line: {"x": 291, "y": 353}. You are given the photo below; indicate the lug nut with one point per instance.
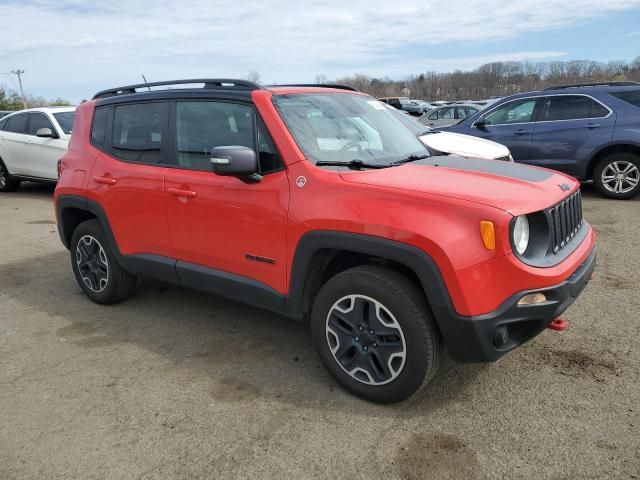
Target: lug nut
{"x": 357, "y": 339}
{"x": 361, "y": 328}
{"x": 375, "y": 344}
{"x": 370, "y": 332}
{"x": 366, "y": 348}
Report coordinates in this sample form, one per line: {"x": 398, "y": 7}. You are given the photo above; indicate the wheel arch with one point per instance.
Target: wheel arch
{"x": 608, "y": 150}
{"x": 72, "y": 210}
{"x": 320, "y": 255}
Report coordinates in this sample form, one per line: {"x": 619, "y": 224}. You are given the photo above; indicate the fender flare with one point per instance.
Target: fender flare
{"x": 421, "y": 263}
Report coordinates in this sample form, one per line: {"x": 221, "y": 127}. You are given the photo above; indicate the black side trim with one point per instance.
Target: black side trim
{"x": 234, "y": 287}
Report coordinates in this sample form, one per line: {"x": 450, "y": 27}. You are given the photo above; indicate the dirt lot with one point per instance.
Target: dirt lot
{"x": 177, "y": 384}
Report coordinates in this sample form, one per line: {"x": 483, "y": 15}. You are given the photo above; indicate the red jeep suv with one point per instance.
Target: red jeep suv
{"x": 317, "y": 203}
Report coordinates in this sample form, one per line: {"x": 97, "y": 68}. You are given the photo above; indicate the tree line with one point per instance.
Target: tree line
{"x": 493, "y": 79}
{"x": 11, "y": 100}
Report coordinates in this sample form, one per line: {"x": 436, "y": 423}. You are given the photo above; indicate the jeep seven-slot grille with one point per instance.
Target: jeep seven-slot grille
{"x": 565, "y": 220}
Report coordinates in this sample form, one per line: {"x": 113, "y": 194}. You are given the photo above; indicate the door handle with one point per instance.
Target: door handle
{"x": 522, "y": 131}
{"x": 105, "y": 180}
{"x": 178, "y": 192}
{"x": 593, "y": 125}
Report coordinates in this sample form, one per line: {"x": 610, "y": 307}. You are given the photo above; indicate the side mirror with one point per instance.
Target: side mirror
{"x": 45, "y": 133}
{"x": 235, "y": 161}
{"x": 481, "y": 123}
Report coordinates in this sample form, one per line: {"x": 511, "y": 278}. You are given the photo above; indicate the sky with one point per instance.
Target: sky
{"x": 73, "y": 48}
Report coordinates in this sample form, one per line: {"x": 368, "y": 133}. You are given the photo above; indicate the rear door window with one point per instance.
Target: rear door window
{"x": 17, "y": 123}
{"x": 138, "y": 131}
{"x": 571, "y": 107}
{"x": 99, "y": 126}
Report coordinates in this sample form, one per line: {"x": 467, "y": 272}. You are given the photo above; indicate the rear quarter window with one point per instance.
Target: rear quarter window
{"x": 629, "y": 96}
{"x": 99, "y": 127}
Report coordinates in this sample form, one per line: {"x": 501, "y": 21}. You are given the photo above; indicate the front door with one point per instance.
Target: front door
{"x": 226, "y": 224}
{"x": 14, "y": 144}
{"x": 510, "y": 124}
{"x": 44, "y": 152}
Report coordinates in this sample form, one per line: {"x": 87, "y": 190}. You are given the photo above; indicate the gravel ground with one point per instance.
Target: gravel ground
{"x": 177, "y": 384}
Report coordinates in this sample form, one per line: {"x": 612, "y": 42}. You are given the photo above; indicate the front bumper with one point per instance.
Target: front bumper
{"x": 471, "y": 339}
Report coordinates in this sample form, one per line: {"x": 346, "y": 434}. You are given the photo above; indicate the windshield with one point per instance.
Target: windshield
{"x": 338, "y": 127}
{"x": 411, "y": 123}
{"x": 65, "y": 120}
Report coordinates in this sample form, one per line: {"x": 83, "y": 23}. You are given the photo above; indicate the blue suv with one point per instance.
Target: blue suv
{"x": 590, "y": 131}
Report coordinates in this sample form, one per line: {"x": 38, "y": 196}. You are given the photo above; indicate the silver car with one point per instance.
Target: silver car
{"x": 448, "y": 114}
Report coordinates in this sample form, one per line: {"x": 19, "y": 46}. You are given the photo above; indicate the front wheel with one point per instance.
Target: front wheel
{"x": 373, "y": 332}
{"x": 7, "y": 182}
{"x": 618, "y": 175}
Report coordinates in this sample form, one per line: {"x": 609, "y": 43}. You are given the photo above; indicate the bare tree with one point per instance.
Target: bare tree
{"x": 253, "y": 76}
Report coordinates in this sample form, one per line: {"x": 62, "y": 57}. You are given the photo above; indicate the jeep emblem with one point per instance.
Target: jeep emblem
{"x": 564, "y": 187}
{"x": 301, "y": 181}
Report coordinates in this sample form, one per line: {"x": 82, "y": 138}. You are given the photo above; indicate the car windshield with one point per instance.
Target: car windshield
{"x": 339, "y": 127}
{"x": 65, "y": 120}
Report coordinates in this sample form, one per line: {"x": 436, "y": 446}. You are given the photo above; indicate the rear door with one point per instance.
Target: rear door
{"x": 512, "y": 125}
{"x": 128, "y": 174}
{"x": 441, "y": 117}
{"x": 14, "y": 143}
{"x": 568, "y": 129}
{"x": 44, "y": 152}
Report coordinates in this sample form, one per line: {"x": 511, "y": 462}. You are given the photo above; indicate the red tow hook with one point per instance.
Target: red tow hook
{"x": 558, "y": 325}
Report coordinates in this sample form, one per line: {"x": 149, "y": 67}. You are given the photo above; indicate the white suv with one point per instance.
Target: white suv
{"x": 31, "y": 143}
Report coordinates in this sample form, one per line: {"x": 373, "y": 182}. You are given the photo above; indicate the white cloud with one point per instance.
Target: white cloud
{"x": 87, "y": 45}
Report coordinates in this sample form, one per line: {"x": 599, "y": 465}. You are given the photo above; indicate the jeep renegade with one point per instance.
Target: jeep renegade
{"x": 317, "y": 203}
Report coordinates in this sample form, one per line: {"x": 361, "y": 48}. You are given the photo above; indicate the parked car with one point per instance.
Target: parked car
{"x": 318, "y": 204}
{"x": 448, "y": 115}
{"x": 590, "y": 131}
{"x": 404, "y": 103}
{"x": 31, "y": 143}
{"x": 426, "y": 106}
{"x": 446, "y": 143}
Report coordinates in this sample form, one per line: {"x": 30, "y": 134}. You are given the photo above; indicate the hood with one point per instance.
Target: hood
{"x": 464, "y": 145}
{"x": 514, "y": 188}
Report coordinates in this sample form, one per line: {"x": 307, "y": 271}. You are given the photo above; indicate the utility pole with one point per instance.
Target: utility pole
{"x": 19, "y": 72}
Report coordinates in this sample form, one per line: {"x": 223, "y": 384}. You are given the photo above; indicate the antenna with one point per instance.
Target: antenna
{"x": 145, "y": 80}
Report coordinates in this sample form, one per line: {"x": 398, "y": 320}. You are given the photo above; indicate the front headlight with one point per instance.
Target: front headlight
{"x": 521, "y": 234}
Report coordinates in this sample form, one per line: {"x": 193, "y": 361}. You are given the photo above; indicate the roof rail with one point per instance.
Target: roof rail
{"x": 594, "y": 84}
{"x": 321, "y": 85}
{"x": 209, "y": 83}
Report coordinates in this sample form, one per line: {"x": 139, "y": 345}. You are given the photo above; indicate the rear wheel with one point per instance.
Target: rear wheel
{"x": 618, "y": 175}
{"x": 372, "y": 330}
{"x": 7, "y": 182}
{"x": 98, "y": 273}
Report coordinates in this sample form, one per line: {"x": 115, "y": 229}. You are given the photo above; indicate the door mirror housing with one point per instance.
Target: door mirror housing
{"x": 235, "y": 161}
{"x": 45, "y": 133}
{"x": 481, "y": 123}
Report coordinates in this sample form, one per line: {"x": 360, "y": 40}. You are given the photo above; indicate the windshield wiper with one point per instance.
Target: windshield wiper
{"x": 352, "y": 164}
{"x": 410, "y": 158}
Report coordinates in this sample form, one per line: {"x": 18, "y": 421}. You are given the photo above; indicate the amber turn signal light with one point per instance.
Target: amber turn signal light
{"x": 488, "y": 234}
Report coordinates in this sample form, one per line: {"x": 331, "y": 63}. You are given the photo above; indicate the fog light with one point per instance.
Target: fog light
{"x": 532, "y": 299}
{"x": 501, "y": 336}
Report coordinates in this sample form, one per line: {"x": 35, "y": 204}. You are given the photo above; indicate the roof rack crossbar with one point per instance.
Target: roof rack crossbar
{"x": 320, "y": 85}
{"x": 209, "y": 83}
{"x": 594, "y": 84}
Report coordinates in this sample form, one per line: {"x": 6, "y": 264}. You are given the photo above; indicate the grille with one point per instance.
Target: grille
{"x": 565, "y": 220}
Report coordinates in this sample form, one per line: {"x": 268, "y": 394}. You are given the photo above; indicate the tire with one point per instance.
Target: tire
{"x": 398, "y": 316}
{"x": 622, "y": 170}
{"x": 7, "y": 182}
{"x": 97, "y": 272}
